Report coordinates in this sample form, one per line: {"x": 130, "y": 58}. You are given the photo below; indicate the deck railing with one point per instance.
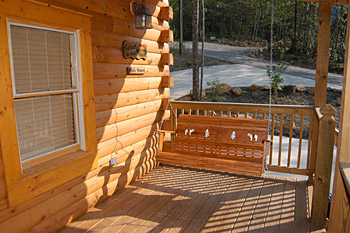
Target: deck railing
{"x": 303, "y": 140}
{"x": 291, "y": 125}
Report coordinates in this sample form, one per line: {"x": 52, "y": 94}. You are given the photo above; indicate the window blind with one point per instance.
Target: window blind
{"x": 44, "y": 124}
{"x": 42, "y": 59}
{"x": 43, "y": 62}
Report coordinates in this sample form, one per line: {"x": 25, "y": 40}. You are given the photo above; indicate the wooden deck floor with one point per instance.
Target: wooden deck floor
{"x": 172, "y": 199}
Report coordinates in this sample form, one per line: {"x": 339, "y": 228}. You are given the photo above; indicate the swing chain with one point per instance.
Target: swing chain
{"x": 270, "y": 79}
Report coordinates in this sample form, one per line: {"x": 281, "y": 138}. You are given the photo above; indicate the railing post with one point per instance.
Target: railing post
{"x": 173, "y": 128}
{"x": 323, "y": 169}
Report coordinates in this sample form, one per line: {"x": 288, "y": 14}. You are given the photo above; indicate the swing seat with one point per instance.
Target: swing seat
{"x": 226, "y": 144}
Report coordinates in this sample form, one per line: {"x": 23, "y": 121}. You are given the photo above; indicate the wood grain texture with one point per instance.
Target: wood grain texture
{"x": 323, "y": 169}
{"x": 342, "y": 145}
{"x": 111, "y": 71}
{"x": 219, "y": 143}
{"x": 37, "y": 14}
{"x": 124, "y": 127}
{"x": 190, "y": 200}
{"x": 280, "y": 113}
{"x": 117, "y": 100}
{"x": 118, "y": 97}
{"x": 323, "y": 42}
{"x": 111, "y": 86}
{"x": 341, "y": 203}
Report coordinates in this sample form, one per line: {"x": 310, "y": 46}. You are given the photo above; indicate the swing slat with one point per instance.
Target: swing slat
{"x": 237, "y": 145}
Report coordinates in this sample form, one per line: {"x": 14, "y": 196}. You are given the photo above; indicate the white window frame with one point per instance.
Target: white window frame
{"x": 76, "y": 92}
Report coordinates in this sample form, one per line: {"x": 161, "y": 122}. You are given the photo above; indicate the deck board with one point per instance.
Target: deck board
{"x": 175, "y": 199}
{"x": 260, "y": 212}
{"x": 275, "y": 207}
{"x": 301, "y": 213}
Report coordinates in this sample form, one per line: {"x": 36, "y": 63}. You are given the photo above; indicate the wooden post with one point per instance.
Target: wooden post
{"x": 320, "y": 96}
{"x": 325, "y": 148}
{"x": 324, "y": 33}
{"x": 336, "y": 222}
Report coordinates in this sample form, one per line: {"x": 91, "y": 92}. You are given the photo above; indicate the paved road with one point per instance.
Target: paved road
{"x": 244, "y": 70}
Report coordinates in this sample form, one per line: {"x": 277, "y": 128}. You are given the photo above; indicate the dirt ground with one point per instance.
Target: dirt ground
{"x": 185, "y": 62}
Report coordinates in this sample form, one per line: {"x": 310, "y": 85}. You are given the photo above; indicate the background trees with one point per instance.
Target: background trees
{"x": 248, "y": 21}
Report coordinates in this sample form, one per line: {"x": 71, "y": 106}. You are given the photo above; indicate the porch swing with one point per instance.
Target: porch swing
{"x": 227, "y": 144}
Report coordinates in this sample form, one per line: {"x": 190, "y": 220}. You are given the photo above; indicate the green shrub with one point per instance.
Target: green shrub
{"x": 189, "y": 63}
{"x": 215, "y": 90}
{"x": 275, "y": 76}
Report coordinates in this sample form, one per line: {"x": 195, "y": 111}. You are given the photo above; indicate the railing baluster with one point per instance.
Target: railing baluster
{"x": 237, "y": 114}
{"x": 300, "y": 138}
{"x": 173, "y": 118}
{"x": 264, "y": 116}
{"x": 205, "y": 112}
{"x": 280, "y": 146}
{"x": 229, "y": 114}
{"x": 309, "y": 144}
{"x": 197, "y": 112}
{"x": 254, "y": 115}
{"x": 290, "y": 139}
{"x": 182, "y": 111}
{"x": 272, "y": 133}
{"x": 190, "y": 112}
{"x": 246, "y": 115}
{"x": 221, "y": 113}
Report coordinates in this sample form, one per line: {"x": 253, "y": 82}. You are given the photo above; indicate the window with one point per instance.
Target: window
{"x": 47, "y": 110}
{"x": 46, "y": 90}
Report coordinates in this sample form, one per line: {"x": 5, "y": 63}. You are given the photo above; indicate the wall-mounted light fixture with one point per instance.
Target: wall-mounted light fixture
{"x": 143, "y": 17}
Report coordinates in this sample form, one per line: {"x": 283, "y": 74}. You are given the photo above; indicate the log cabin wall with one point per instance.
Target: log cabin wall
{"x": 129, "y": 109}
{"x": 3, "y": 193}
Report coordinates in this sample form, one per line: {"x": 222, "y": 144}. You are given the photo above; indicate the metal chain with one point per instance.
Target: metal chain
{"x": 271, "y": 70}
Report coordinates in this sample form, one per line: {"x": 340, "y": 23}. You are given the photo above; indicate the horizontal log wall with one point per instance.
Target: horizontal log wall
{"x": 129, "y": 110}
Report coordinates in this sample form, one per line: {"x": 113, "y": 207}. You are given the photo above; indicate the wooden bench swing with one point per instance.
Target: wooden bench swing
{"x": 236, "y": 145}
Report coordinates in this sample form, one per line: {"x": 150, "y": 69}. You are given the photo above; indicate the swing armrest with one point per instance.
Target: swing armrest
{"x": 268, "y": 140}
{"x": 161, "y": 138}
{"x": 166, "y": 131}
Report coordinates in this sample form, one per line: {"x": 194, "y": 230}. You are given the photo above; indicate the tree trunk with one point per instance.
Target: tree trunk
{"x": 181, "y": 44}
{"x": 258, "y": 21}
{"x": 294, "y": 41}
{"x": 203, "y": 42}
{"x": 195, "y": 20}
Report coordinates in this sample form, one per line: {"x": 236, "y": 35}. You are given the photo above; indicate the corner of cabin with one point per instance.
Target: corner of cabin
{"x": 117, "y": 86}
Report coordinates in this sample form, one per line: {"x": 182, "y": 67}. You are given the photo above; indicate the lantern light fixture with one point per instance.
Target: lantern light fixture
{"x": 143, "y": 17}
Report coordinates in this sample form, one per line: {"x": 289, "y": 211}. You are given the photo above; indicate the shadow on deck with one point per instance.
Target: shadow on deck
{"x": 173, "y": 199}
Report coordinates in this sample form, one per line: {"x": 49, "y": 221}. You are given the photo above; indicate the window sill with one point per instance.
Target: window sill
{"x": 53, "y": 164}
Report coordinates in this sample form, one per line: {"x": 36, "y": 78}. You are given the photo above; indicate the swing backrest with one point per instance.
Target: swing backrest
{"x": 222, "y": 137}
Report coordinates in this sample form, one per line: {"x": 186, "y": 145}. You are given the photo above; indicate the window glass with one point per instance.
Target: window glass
{"x": 45, "y": 90}
{"x": 42, "y": 59}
